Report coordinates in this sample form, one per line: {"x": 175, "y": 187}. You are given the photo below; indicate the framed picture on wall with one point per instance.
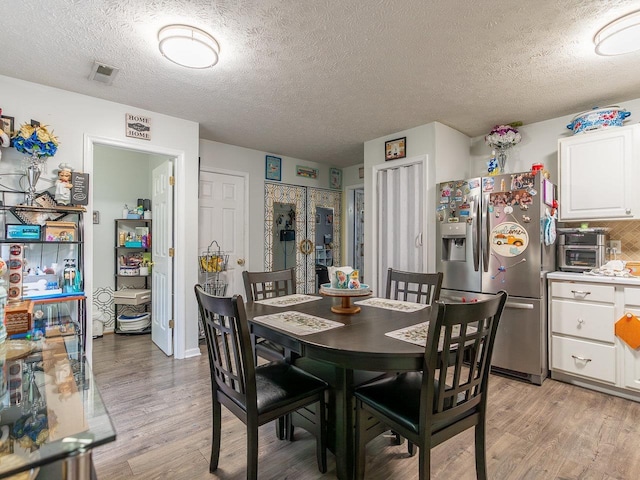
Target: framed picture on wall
{"x": 394, "y": 149}
{"x": 308, "y": 172}
{"x": 335, "y": 178}
{"x": 8, "y": 126}
{"x": 273, "y": 168}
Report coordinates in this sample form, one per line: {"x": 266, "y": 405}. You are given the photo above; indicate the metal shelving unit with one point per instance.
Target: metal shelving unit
{"x": 134, "y": 281}
{"x": 37, "y": 270}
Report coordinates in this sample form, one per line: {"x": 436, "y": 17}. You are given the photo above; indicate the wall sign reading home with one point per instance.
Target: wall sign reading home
{"x": 138, "y": 126}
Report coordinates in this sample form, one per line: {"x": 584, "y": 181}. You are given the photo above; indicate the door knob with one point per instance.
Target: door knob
{"x": 240, "y": 261}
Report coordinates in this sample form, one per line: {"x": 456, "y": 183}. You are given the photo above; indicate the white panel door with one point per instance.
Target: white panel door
{"x": 162, "y": 272}
{"x": 222, "y": 214}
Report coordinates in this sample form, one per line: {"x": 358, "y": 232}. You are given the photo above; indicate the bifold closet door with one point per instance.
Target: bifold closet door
{"x": 292, "y": 207}
{"x": 400, "y": 222}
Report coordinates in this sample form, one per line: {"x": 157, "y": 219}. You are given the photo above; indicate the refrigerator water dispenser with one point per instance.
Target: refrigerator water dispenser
{"x": 454, "y": 238}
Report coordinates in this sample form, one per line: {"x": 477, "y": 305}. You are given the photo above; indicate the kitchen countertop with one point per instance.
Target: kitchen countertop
{"x": 581, "y": 277}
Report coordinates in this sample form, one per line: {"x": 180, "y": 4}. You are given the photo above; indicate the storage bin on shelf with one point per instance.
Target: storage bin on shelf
{"x": 134, "y": 323}
{"x": 132, "y": 296}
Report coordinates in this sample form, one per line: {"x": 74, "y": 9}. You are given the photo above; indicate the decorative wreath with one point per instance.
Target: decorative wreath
{"x": 306, "y": 246}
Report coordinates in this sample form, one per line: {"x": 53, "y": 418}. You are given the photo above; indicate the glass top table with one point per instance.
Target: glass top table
{"x": 50, "y": 408}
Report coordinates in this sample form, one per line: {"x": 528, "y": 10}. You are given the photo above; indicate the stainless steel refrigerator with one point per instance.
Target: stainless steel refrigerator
{"x": 492, "y": 234}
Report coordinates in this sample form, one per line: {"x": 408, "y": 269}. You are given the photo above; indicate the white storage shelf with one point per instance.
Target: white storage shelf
{"x": 132, "y": 294}
{"x": 324, "y": 256}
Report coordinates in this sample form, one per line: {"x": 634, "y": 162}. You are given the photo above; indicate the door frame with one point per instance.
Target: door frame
{"x": 182, "y": 263}
{"x": 372, "y": 270}
{"x": 245, "y": 214}
{"x": 349, "y": 216}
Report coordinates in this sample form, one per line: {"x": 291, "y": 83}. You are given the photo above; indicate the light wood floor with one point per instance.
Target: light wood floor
{"x": 161, "y": 412}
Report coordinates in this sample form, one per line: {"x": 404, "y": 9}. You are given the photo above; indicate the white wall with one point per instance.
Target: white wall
{"x": 215, "y": 156}
{"x": 447, "y": 152}
{"x": 76, "y": 119}
{"x": 350, "y": 176}
{"x": 539, "y": 144}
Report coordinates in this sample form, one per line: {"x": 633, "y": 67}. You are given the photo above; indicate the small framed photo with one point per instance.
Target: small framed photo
{"x": 273, "y": 168}
{"x": 361, "y": 172}
{"x": 308, "y": 172}
{"x": 394, "y": 149}
{"x": 335, "y": 178}
{"x": 8, "y": 126}
{"x": 329, "y": 220}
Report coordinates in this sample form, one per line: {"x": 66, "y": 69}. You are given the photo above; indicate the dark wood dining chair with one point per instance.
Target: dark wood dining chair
{"x": 413, "y": 286}
{"x": 446, "y": 398}
{"x": 263, "y": 285}
{"x": 255, "y": 394}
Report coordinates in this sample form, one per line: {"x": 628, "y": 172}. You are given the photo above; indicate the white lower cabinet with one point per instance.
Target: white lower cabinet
{"x": 584, "y": 358}
{"x": 631, "y": 368}
{"x": 584, "y": 349}
{"x": 631, "y": 356}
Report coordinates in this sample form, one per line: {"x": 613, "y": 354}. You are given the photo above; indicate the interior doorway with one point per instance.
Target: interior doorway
{"x": 354, "y": 229}
{"x": 121, "y": 175}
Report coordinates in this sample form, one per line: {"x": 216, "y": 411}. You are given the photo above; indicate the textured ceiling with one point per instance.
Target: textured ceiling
{"x": 316, "y": 79}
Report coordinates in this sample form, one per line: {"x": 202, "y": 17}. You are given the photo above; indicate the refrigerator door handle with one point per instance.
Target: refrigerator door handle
{"x": 519, "y": 305}
{"x": 485, "y": 232}
{"x": 476, "y": 236}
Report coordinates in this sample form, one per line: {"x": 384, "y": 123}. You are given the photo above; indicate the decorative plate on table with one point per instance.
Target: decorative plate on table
{"x": 345, "y": 292}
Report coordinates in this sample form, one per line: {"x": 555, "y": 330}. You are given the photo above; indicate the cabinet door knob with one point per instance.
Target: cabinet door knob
{"x": 628, "y": 211}
{"x": 580, "y": 321}
{"x": 240, "y": 261}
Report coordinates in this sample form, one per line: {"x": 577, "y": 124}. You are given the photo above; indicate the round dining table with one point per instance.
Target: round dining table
{"x": 349, "y": 352}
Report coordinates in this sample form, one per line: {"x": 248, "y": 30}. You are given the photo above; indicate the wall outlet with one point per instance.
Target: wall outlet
{"x": 615, "y": 246}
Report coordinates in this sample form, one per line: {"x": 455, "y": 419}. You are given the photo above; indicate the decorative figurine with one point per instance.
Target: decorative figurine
{"x": 63, "y": 184}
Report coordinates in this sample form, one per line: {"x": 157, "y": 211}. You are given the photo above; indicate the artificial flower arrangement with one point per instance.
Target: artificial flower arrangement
{"x": 35, "y": 141}
{"x": 503, "y": 137}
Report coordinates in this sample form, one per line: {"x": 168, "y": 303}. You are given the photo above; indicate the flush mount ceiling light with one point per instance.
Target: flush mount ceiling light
{"x": 620, "y": 36}
{"x": 188, "y": 46}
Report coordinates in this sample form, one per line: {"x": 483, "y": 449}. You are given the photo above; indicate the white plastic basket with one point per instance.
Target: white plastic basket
{"x": 134, "y": 323}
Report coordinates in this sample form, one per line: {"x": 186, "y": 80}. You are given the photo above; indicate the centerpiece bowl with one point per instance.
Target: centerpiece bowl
{"x": 346, "y": 308}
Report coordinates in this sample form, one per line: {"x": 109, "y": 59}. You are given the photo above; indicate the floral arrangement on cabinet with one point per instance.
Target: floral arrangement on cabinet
{"x": 501, "y": 138}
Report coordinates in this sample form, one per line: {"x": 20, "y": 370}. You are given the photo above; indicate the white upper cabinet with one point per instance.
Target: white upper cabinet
{"x": 599, "y": 174}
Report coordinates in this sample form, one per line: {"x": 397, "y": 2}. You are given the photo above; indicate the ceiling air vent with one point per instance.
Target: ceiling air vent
{"x": 101, "y": 72}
